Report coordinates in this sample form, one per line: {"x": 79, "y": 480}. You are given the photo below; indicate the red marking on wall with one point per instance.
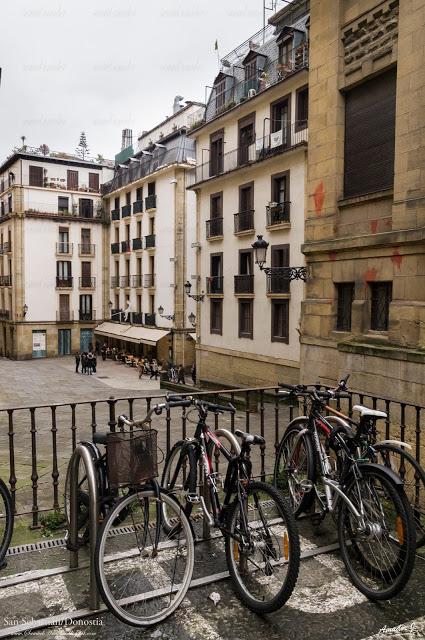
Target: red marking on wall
{"x": 397, "y": 259}
{"x": 373, "y": 226}
{"x": 319, "y": 198}
{"x": 370, "y": 275}
{"x": 332, "y": 255}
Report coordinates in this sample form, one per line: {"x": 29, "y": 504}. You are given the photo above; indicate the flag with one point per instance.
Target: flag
{"x": 216, "y": 46}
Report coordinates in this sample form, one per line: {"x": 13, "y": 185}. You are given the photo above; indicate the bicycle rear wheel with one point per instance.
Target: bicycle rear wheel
{"x": 380, "y": 558}
{"x": 262, "y": 548}
{"x": 179, "y": 478}
{"x": 6, "y": 520}
{"x": 140, "y": 582}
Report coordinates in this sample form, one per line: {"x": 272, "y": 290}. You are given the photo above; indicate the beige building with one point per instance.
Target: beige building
{"x": 52, "y": 232}
{"x": 364, "y": 311}
{"x": 250, "y": 180}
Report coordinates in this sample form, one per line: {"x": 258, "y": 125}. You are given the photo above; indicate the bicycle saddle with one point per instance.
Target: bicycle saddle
{"x": 99, "y": 438}
{"x": 249, "y": 437}
{"x": 365, "y": 412}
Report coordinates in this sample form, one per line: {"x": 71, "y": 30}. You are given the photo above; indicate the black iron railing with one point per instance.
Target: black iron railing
{"x": 86, "y": 249}
{"x": 138, "y": 206}
{"x": 244, "y": 283}
{"x": 150, "y": 202}
{"x": 64, "y": 247}
{"x": 115, "y": 282}
{"x": 115, "y": 214}
{"x": 137, "y": 243}
{"x": 150, "y": 241}
{"x": 149, "y": 280}
{"x": 126, "y": 211}
{"x": 214, "y": 284}
{"x": 277, "y": 212}
{"x": 87, "y": 316}
{"x": 115, "y": 247}
{"x": 87, "y": 282}
{"x": 137, "y": 317}
{"x": 4, "y": 314}
{"x": 150, "y": 319}
{"x": 136, "y": 281}
{"x": 124, "y": 281}
{"x": 64, "y": 282}
{"x": 125, "y": 246}
{"x": 5, "y": 281}
{"x": 214, "y": 227}
{"x": 244, "y": 221}
{"x": 278, "y": 283}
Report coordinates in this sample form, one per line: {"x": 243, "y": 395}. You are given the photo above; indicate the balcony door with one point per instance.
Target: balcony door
{"x": 279, "y": 258}
{"x": 280, "y": 122}
{"x": 86, "y": 307}
{"x": 63, "y": 241}
{"x": 246, "y": 138}
{"x": 64, "y": 307}
{"x": 86, "y": 274}
{"x": 216, "y": 153}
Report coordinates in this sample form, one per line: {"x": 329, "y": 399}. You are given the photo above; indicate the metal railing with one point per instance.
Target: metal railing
{"x": 65, "y": 247}
{"x": 115, "y": 282}
{"x": 87, "y": 282}
{"x": 4, "y": 314}
{"x": 125, "y": 246}
{"x": 138, "y": 206}
{"x": 150, "y": 319}
{"x": 126, "y": 211}
{"x": 115, "y": 214}
{"x": 149, "y": 280}
{"x": 150, "y": 241}
{"x": 86, "y": 316}
{"x": 137, "y": 317}
{"x": 64, "y": 315}
{"x": 136, "y": 281}
{"x": 64, "y": 282}
{"x": 124, "y": 282}
{"x": 277, "y": 212}
{"x": 6, "y": 281}
{"x": 244, "y": 283}
{"x": 277, "y": 284}
{"x": 86, "y": 249}
{"x": 49, "y": 433}
{"x": 244, "y": 221}
{"x": 261, "y": 149}
{"x": 214, "y": 228}
{"x": 137, "y": 243}
{"x": 115, "y": 247}
{"x": 150, "y": 202}
{"x": 215, "y": 284}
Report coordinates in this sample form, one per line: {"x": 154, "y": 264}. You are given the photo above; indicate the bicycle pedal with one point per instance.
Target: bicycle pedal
{"x": 193, "y": 498}
{"x": 306, "y": 485}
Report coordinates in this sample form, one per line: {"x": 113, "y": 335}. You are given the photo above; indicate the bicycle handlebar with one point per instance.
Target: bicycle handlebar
{"x": 314, "y": 391}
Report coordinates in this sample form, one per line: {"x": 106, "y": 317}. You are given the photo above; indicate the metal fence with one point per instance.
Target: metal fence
{"x": 36, "y": 442}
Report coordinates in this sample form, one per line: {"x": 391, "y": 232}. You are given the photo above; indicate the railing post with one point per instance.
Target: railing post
{"x": 12, "y": 477}
{"x": 262, "y": 446}
{"x": 55, "y": 472}
{"x": 34, "y": 474}
{"x": 112, "y": 418}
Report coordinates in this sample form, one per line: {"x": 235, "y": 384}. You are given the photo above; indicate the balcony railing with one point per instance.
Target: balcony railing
{"x": 87, "y": 282}
{"x": 149, "y": 280}
{"x": 126, "y": 211}
{"x": 150, "y": 202}
{"x": 137, "y": 243}
{"x": 64, "y": 315}
{"x": 244, "y": 283}
{"x": 277, "y": 284}
{"x": 261, "y": 149}
{"x": 150, "y": 319}
{"x": 116, "y": 315}
{"x": 4, "y": 314}
{"x": 124, "y": 282}
{"x": 7, "y": 247}
{"x": 150, "y": 241}
{"x": 64, "y": 282}
{"x": 277, "y": 212}
{"x": 215, "y": 284}
{"x": 6, "y": 281}
{"x": 136, "y": 281}
{"x": 115, "y": 214}
{"x": 137, "y": 317}
{"x": 138, "y": 206}
{"x": 214, "y": 228}
{"x": 65, "y": 247}
{"x": 115, "y": 282}
{"x": 115, "y": 247}
{"x": 244, "y": 221}
{"x": 86, "y": 249}
{"x": 125, "y": 246}
{"x": 86, "y": 316}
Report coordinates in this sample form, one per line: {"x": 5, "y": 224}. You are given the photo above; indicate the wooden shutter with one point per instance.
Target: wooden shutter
{"x": 35, "y": 176}
{"x": 94, "y": 181}
{"x": 72, "y": 179}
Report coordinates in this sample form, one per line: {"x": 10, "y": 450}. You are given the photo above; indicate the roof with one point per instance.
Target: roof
{"x": 64, "y": 158}
{"x": 188, "y": 103}
{"x": 131, "y": 333}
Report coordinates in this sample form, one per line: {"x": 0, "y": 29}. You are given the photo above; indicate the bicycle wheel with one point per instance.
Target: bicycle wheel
{"x": 6, "y": 520}
{"x": 262, "y": 548}
{"x": 413, "y": 476}
{"x": 294, "y": 477}
{"x": 142, "y": 587}
{"x": 179, "y": 478}
{"x": 380, "y": 557}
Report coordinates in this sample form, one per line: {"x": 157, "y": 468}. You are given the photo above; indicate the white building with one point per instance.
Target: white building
{"x": 52, "y": 232}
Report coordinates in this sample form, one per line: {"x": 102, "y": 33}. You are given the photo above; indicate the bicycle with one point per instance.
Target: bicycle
{"x": 6, "y": 521}
{"x": 376, "y": 530}
{"x": 260, "y": 534}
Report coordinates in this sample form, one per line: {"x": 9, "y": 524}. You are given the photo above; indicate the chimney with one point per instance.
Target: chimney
{"x": 127, "y": 138}
{"x": 176, "y": 105}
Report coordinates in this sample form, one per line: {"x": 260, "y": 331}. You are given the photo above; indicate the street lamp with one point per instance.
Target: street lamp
{"x": 260, "y": 247}
{"x": 192, "y": 319}
{"x": 161, "y": 313}
{"x": 25, "y": 310}
{"x": 198, "y": 298}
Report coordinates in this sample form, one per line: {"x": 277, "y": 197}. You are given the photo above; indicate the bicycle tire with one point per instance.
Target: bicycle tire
{"x": 123, "y": 559}
{"x": 268, "y": 544}
{"x": 6, "y": 512}
{"x": 359, "y": 554}
{"x": 417, "y": 501}
{"x": 188, "y": 462}
{"x": 281, "y": 478}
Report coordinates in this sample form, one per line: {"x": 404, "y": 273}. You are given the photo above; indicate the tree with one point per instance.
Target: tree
{"x": 82, "y": 149}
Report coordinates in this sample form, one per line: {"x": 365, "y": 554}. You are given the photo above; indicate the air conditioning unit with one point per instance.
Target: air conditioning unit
{"x": 252, "y": 93}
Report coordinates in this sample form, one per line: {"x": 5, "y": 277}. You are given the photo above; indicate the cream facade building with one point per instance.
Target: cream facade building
{"x": 152, "y": 233}
{"x": 52, "y": 235}
{"x": 250, "y": 179}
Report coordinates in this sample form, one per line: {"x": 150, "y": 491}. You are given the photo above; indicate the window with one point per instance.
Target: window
{"x": 279, "y": 119}
{"x": 128, "y": 198}
{"x": 285, "y": 49}
{"x": 277, "y": 283}
{"x": 139, "y": 193}
{"x": 220, "y": 94}
{"x": 216, "y": 205}
{"x": 246, "y": 197}
{"x": 381, "y": 296}
{"x": 246, "y": 319}
{"x": 86, "y": 306}
{"x": 86, "y": 208}
{"x": 369, "y": 136}
{"x": 2, "y": 208}
{"x": 216, "y": 316}
{"x": 36, "y": 178}
{"x": 63, "y": 204}
{"x": 85, "y": 237}
{"x": 245, "y": 262}
{"x": 280, "y": 187}
{"x": 216, "y": 152}
{"x": 9, "y": 203}
{"x": 246, "y": 137}
{"x": 151, "y": 188}
{"x": 215, "y": 281}
{"x": 72, "y": 179}
{"x": 139, "y": 303}
{"x": 139, "y": 229}
{"x": 117, "y": 234}
{"x": 302, "y": 109}
{"x": 86, "y": 280}
{"x": 63, "y": 241}
{"x": 280, "y": 321}
{"x": 117, "y": 203}
{"x": 94, "y": 181}
{"x": 345, "y": 293}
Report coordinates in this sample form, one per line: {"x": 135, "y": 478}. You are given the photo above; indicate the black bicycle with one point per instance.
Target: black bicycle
{"x": 376, "y": 528}
{"x": 261, "y": 539}
{"x": 6, "y": 521}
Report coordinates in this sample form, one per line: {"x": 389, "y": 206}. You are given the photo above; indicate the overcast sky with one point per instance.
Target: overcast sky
{"x": 104, "y": 65}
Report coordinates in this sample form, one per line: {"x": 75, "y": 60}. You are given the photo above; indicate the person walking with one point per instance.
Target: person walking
{"x": 97, "y": 348}
{"x": 94, "y": 363}
{"x": 84, "y": 362}
{"x": 193, "y": 373}
{"x": 154, "y": 369}
{"x": 180, "y": 375}
{"x": 77, "y": 362}
{"x": 103, "y": 352}
{"x": 89, "y": 363}
{"x": 141, "y": 367}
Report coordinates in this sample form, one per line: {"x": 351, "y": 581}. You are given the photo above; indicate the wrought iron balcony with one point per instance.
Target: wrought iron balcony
{"x": 125, "y": 246}
{"x": 137, "y": 318}
{"x": 214, "y": 228}
{"x": 116, "y": 315}
{"x": 244, "y": 283}
{"x": 137, "y": 243}
{"x": 86, "y": 249}
{"x": 115, "y": 214}
{"x": 64, "y": 282}
{"x": 150, "y": 241}
{"x": 64, "y": 315}
{"x": 87, "y": 282}
{"x": 136, "y": 281}
{"x": 4, "y": 314}
{"x": 150, "y": 319}
{"x": 124, "y": 282}
{"x": 64, "y": 248}
{"x": 126, "y": 211}
{"x": 149, "y": 280}
{"x": 244, "y": 221}
{"x": 215, "y": 284}
{"x": 277, "y": 283}
{"x": 277, "y": 212}
{"x": 150, "y": 202}
{"x": 115, "y": 247}
{"x": 115, "y": 282}
{"x": 6, "y": 281}
{"x": 87, "y": 316}
{"x": 138, "y": 206}
{"x": 7, "y": 247}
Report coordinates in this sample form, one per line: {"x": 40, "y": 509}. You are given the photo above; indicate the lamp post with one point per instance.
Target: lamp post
{"x": 260, "y": 247}
{"x": 161, "y": 313}
{"x": 25, "y": 310}
{"x": 192, "y": 319}
{"x": 197, "y": 297}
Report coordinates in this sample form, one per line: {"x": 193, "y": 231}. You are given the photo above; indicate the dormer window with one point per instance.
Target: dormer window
{"x": 285, "y": 51}
{"x": 220, "y": 93}
{"x": 254, "y": 63}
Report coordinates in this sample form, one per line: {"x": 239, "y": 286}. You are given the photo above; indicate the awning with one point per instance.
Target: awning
{"x": 131, "y": 333}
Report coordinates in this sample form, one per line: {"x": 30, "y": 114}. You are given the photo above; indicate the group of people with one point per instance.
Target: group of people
{"x": 151, "y": 368}
{"x": 88, "y": 362}
{"x": 176, "y": 373}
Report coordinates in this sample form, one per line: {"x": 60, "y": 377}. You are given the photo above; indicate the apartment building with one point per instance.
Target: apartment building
{"x": 52, "y": 231}
{"x": 365, "y": 230}
{"x": 153, "y": 228}
{"x": 251, "y": 149}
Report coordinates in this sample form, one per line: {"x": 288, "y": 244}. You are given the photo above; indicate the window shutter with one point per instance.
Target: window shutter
{"x": 35, "y": 176}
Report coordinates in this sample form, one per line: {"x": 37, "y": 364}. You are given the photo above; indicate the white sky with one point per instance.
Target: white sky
{"x": 104, "y": 65}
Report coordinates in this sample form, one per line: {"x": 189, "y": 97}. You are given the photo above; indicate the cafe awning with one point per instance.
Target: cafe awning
{"x": 131, "y": 333}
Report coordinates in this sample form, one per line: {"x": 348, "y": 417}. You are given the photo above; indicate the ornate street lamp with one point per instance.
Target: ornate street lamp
{"x": 198, "y": 298}
{"x": 25, "y": 310}
{"x": 192, "y": 319}
{"x": 161, "y": 313}
{"x": 260, "y": 247}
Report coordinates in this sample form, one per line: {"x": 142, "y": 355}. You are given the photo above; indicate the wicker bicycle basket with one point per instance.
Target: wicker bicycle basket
{"x": 131, "y": 457}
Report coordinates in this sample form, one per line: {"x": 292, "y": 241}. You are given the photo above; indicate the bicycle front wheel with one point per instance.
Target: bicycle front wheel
{"x": 179, "y": 478}
{"x": 379, "y": 557}
{"x": 142, "y": 572}
{"x": 6, "y": 520}
{"x": 262, "y": 548}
